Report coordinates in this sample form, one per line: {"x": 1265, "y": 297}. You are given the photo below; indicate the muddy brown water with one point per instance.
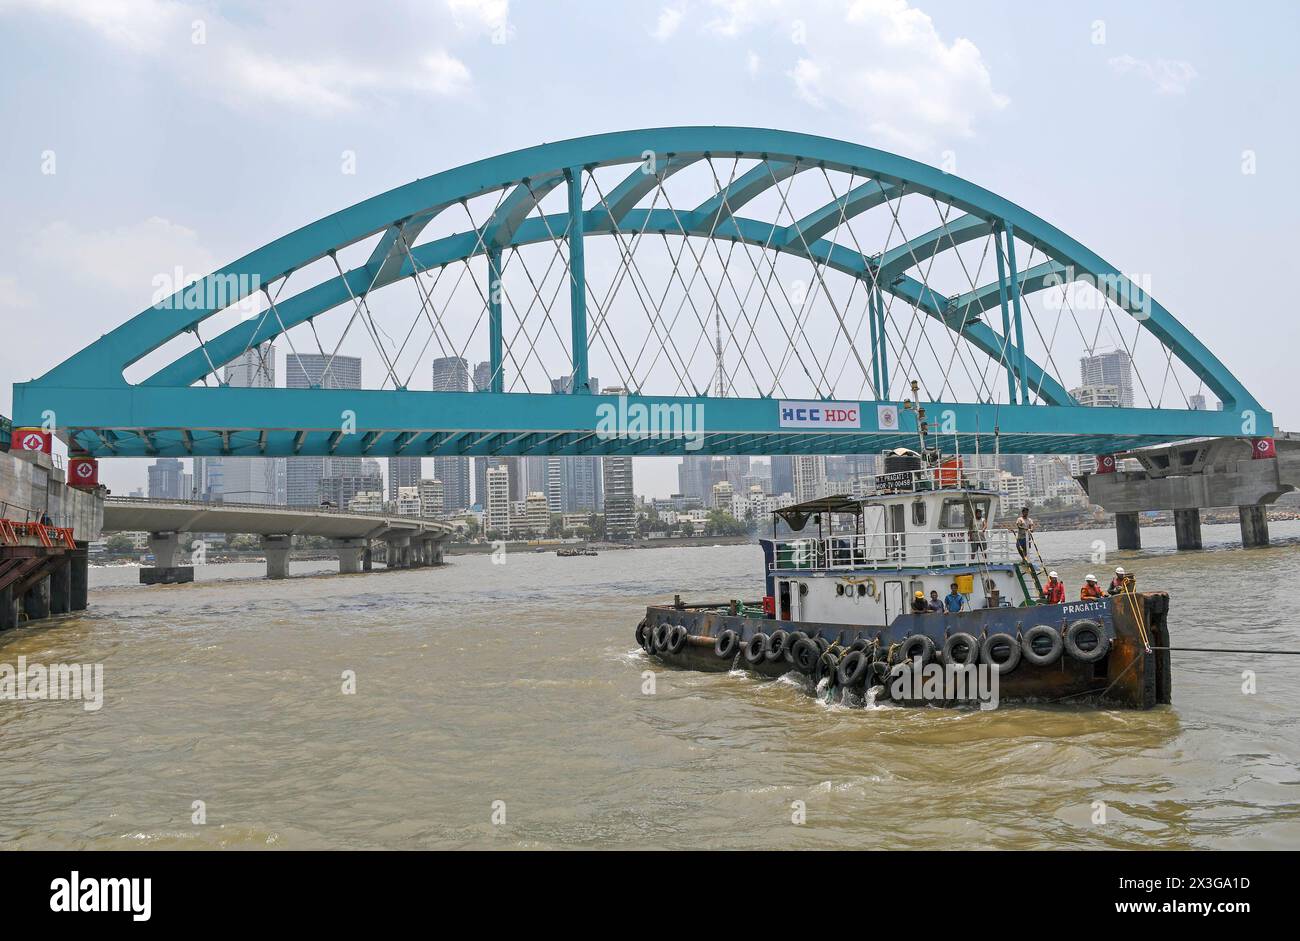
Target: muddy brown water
{"x": 521, "y": 683}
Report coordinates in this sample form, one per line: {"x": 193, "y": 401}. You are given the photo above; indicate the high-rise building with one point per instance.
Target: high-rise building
{"x": 208, "y": 483}
{"x": 1102, "y": 396}
{"x": 1196, "y": 402}
{"x": 431, "y": 499}
{"x": 339, "y": 491}
{"x": 167, "y": 480}
{"x": 451, "y": 374}
{"x": 537, "y": 515}
{"x": 620, "y": 499}
{"x": 402, "y": 472}
{"x": 809, "y": 477}
{"x": 250, "y": 479}
{"x": 1114, "y": 368}
{"x": 496, "y": 508}
{"x": 314, "y": 371}
{"x": 782, "y": 474}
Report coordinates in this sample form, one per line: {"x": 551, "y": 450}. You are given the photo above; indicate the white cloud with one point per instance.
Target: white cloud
{"x": 252, "y": 65}
{"x": 670, "y": 18}
{"x": 752, "y": 63}
{"x": 1170, "y": 76}
{"x": 129, "y": 259}
{"x": 12, "y": 296}
{"x": 882, "y": 61}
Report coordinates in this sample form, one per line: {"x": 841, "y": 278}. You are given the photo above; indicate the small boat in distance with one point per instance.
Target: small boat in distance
{"x": 570, "y": 552}
{"x": 842, "y": 607}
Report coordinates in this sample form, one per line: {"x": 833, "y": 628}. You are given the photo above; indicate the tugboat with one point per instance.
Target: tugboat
{"x": 838, "y": 607}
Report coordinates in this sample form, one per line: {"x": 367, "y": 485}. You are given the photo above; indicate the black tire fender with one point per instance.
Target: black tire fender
{"x": 917, "y": 645}
{"x": 640, "y": 633}
{"x": 727, "y": 644}
{"x": 1077, "y": 637}
{"x": 1034, "y": 638}
{"x": 952, "y": 649}
{"x": 804, "y": 656}
{"x": 677, "y": 638}
{"x": 776, "y": 642}
{"x": 756, "y": 649}
{"x": 998, "y": 641}
{"x": 852, "y": 668}
{"x": 659, "y": 637}
{"x": 791, "y": 641}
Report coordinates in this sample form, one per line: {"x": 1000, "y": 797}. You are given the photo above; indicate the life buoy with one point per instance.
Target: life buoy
{"x": 852, "y": 668}
{"x": 1000, "y": 650}
{"x": 1086, "y": 641}
{"x": 756, "y": 648}
{"x": 677, "y": 638}
{"x": 804, "y": 656}
{"x": 776, "y": 642}
{"x": 727, "y": 644}
{"x": 1042, "y": 645}
{"x": 961, "y": 648}
{"x": 917, "y": 645}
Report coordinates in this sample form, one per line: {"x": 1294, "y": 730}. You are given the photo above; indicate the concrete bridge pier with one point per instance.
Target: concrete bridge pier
{"x": 36, "y": 600}
{"x": 277, "y": 555}
{"x": 9, "y": 608}
{"x": 61, "y": 587}
{"x": 79, "y": 577}
{"x": 1187, "y": 529}
{"x": 1254, "y": 526}
{"x": 350, "y": 555}
{"x": 399, "y": 552}
{"x": 167, "y": 568}
{"x": 1128, "y": 534}
{"x": 368, "y": 559}
{"x": 433, "y": 552}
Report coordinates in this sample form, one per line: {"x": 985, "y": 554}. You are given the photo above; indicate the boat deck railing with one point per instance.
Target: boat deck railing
{"x": 894, "y": 550}
{"x": 943, "y": 477}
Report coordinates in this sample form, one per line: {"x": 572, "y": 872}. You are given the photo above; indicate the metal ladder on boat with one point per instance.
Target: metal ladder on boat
{"x": 1033, "y": 573}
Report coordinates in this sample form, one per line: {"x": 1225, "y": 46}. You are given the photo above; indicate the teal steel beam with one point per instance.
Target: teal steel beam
{"x": 1015, "y": 311}
{"x": 821, "y": 222}
{"x": 495, "y": 354}
{"x": 577, "y": 280}
{"x": 875, "y": 341}
{"x": 1007, "y": 360}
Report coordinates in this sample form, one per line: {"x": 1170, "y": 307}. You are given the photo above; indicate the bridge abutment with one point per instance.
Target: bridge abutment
{"x": 79, "y": 577}
{"x": 277, "y": 555}
{"x": 1254, "y": 526}
{"x": 1187, "y": 529}
{"x": 61, "y": 587}
{"x": 36, "y": 600}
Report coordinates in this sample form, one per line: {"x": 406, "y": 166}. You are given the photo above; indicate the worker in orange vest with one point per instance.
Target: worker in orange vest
{"x": 1091, "y": 590}
{"x": 1054, "y": 590}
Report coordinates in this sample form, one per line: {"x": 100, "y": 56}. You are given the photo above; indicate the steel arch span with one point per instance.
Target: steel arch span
{"x": 973, "y": 285}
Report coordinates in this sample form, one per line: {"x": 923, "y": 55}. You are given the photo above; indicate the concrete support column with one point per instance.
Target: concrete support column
{"x": 1254, "y": 525}
{"x": 36, "y": 602}
{"x": 350, "y": 552}
{"x": 436, "y": 548}
{"x": 399, "y": 548}
{"x": 277, "y": 555}
{"x": 8, "y": 609}
{"x": 1187, "y": 528}
{"x": 61, "y": 588}
{"x": 368, "y": 559}
{"x": 79, "y": 573}
{"x": 1127, "y": 533}
{"x": 166, "y": 549}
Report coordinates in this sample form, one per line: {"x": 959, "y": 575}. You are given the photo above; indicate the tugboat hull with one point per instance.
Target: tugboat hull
{"x": 1110, "y": 652}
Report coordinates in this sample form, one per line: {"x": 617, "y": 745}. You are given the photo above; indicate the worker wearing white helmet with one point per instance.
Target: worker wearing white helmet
{"x": 1054, "y": 590}
{"x": 1091, "y": 590}
{"x": 1121, "y": 581}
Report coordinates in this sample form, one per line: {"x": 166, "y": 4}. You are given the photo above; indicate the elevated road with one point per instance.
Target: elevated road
{"x": 412, "y": 542}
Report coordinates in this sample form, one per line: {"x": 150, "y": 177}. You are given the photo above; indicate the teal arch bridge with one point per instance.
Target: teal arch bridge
{"x": 738, "y": 291}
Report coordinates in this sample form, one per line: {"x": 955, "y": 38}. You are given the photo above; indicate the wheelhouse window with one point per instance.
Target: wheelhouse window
{"x": 959, "y": 514}
{"x": 918, "y": 514}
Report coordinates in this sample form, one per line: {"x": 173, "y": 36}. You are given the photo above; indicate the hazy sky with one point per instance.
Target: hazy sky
{"x": 186, "y": 134}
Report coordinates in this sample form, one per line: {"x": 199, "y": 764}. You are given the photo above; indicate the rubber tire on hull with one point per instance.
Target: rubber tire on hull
{"x": 829, "y": 666}
{"x": 853, "y": 668}
{"x": 993, "y": 640}
{"x": 756, "y": 649}
{"x": 791, "y": 642}
{"x": 1086, "y": 627}
{"x": 640, "y": 634}
{"x": 925, "y": 651}
{"x": 727, "y": 644}
{"x": 660, "y": 637}
{"x": 677, "y": 638}
{"x": 776, "y": 642}
{"x": 805, "y": 656}
{"x": 1055, "y": 645}
{"x": 961, "y": 639}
